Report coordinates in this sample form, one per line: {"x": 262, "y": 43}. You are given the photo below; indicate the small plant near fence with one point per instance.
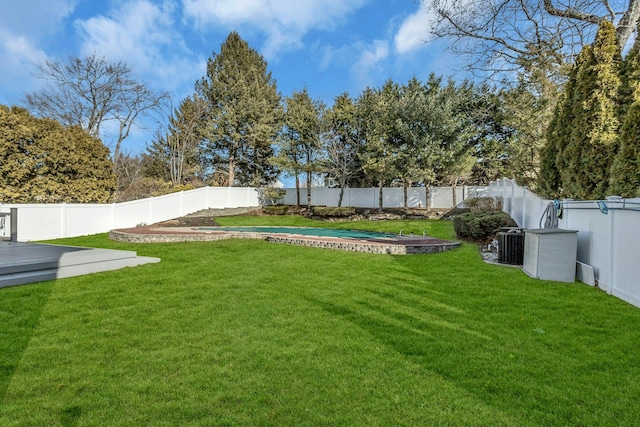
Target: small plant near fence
{"x": 332, "y": 212}
{"x": 483, "y": 221}
{"x": 270, "y": 195}
{"x": 484, "y": 204}
{"x": 276, "y": 210}
{"x": 481, "y": 226}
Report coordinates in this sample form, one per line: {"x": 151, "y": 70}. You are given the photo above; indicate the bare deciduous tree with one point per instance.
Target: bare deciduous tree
{"x": 504, "y": 35}
{"x": 89, "y": 92}
{"x": 177, "y": 144}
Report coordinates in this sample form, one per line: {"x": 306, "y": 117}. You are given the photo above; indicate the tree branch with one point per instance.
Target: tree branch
{"x": 570, "y": 13}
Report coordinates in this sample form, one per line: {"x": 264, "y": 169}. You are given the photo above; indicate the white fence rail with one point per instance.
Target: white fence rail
{"x": 393, "y": 197}
{"x": 608, "y": 242}
{"x": 53, "y": 221}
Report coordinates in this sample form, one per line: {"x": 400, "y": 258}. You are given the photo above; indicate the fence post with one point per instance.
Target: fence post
{"x": 14, "y": 224}
{"x": 612, "y": 252}
{"x": 63, "y": 218}
{"x": 523, "y": 222}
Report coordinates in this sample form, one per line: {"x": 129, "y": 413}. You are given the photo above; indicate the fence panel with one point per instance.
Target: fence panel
{"x": 195, "y": 200}
{"x": 625, "y": 268}
{"x": 164, "y": 207}
{"x": 594, "y": 239}
{"x": 40, "y": 222}
{"x": 80, "y": 219}
{"x": 393, "y": 197}
{"x": 53, "y": 221}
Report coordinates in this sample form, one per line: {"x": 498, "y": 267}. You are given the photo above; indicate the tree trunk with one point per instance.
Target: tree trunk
{"x": 628, "y": 22}
{"x": 309, "y": 189}
{"x": 454, "y": 188}
{"x": 343, "y": 185}
{"x": 404, "y": 191}
{"x": 297, "y": 190}
{"x": 232, "y": 170}
{"x": 427, "y": 194}
{"x": 380, "y": 196}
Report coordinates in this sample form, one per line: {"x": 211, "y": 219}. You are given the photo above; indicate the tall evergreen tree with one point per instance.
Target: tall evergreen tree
{"x": 245, "y": 114}
{"x": 625, "y": 170}
{"x": 549, "y": 180}
{"x": 583, "y": 135}
{"x": 300, "y": 143}
{"x": 555, "y": 175}
{"x": 595, "y": 125}
{"x": 377, "y": 113}
{"x": 175, "y": 150}
{"x": 342, "y": 142}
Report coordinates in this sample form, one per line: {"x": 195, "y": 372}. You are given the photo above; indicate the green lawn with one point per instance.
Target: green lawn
{"x": 246, "y": 332}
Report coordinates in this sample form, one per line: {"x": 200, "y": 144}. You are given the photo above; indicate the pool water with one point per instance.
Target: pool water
{"x": 307, "y": 231}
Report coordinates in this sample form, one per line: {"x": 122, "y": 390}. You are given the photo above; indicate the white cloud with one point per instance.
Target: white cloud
{"x": 369, "y": 60}
{"x": 143, "y": 35}
{"x": 35, "y": 18}
{"x": 23, "y": 26}
{"x": 413, "y": 32}
{"x": 284, "y": 22}
{"x": 18, "y": 59}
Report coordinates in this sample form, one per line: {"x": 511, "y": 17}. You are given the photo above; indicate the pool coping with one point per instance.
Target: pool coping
{"x": 402, "y": 245}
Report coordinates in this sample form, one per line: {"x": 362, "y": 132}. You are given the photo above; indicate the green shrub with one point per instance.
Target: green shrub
{"x": 276, "y": 210}
{"x": 270, "y": 195}
{"x": 325, "y": 211}
{"x": 481, "y": 226}
{"x": 484, "y": 204}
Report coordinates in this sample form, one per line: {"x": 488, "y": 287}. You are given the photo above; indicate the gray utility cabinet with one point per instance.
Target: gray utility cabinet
{"x": 550, "y": 254}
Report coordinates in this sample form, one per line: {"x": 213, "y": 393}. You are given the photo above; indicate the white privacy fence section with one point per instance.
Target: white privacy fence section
{"x": 393, "y": 197}
{"x": 608, "y": 234}
{"x": 53, "y": 221}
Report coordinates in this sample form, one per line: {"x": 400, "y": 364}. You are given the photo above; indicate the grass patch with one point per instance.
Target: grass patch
{"x": 245, "y": 332}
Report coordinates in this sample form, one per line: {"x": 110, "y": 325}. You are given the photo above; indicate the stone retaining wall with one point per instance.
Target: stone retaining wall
{"x": 373, "y": 247}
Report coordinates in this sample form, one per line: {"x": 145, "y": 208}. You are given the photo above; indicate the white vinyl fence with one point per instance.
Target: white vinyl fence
{"x": 393, "y": 197}
{"x": 53, "y": 221}
{"x": 608, "y": 234}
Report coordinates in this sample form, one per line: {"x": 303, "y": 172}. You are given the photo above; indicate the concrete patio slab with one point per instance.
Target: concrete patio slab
{"x": 22, "y": 263}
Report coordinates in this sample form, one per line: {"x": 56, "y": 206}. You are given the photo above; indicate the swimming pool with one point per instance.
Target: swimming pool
{"x": 327, "y": 238}
{"x": 306, "y": 231}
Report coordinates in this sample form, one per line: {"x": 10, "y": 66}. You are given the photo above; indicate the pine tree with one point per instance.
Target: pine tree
{"x": 630, "y": 78}
{"x": 174, "y": 152}
{"x": 300, "y": 143}
{"x": 342, "y": 143}
{"x": 625, "y": 170}
{"x": 377, "y": 111}
{"x": 594, "y": 123}
{"x": 555, "y": 173}
{"x": 549, "y": 182}
{"x": 244, "y": 115}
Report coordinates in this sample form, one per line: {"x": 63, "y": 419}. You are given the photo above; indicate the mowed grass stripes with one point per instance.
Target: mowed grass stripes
{"x": 254, "y": 333}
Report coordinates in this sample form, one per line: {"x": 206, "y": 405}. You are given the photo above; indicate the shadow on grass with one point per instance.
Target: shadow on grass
{"x": 20, "y": 311}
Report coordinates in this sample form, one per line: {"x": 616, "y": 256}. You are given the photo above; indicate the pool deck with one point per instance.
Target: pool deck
{"x": 400, "y": 245}
{"x": 22, "y": 263}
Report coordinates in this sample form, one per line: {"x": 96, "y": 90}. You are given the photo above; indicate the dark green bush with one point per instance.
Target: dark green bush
{"x": 325, "y": 211}
{"x": 482, "y": 204}
{"x": 481, "y": 226}
{"x": 276, "y": 210}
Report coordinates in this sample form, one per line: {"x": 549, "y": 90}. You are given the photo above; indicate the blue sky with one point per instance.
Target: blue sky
{"x": 327, "y": 46}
